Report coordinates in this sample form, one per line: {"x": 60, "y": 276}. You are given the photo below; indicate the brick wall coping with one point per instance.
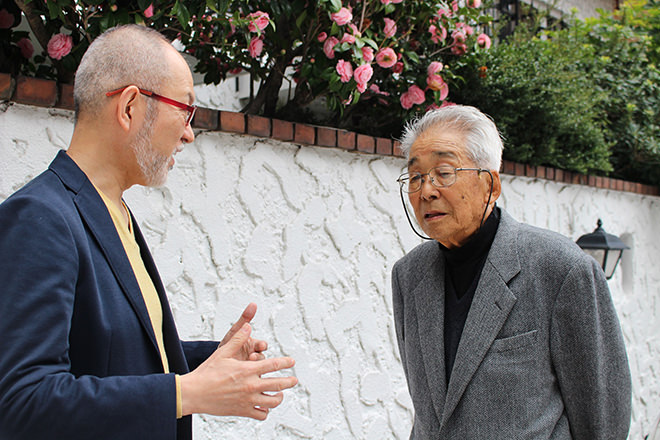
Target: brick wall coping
{"x": 47, "y": 93}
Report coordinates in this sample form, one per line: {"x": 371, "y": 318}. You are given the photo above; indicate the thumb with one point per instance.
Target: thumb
{"x": 237, "y": 341}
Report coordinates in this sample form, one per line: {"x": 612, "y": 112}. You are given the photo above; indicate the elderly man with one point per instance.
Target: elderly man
{"x": 506, "y": 331}
{"x": 89, "y": 348}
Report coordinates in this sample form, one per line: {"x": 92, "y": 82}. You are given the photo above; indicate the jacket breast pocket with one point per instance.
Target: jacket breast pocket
{"x": 515, "y": 342}
{"x": 521, "y": 349}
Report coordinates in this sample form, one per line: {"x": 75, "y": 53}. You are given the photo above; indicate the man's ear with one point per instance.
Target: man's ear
{"x": 127, "y": 107}
{"x": 497, "y": 186}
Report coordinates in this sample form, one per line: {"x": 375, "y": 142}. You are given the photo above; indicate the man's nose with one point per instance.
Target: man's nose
{"x": 188, "y": 135}
{"x": 428, "y": 190}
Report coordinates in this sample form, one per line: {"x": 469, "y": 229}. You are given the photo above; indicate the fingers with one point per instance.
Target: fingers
{"x": 235, "y": 344}
{"x": 246, "y": 317}
{"x": 274, "y": 364}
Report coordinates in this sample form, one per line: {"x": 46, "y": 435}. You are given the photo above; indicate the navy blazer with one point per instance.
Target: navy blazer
{"x": 78, "y": 355}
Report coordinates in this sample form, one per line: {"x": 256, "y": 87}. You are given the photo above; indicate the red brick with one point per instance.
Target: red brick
{"x": 384, "y": 146}
{"x": 550, "y": 173}
{"x": 559, "y": 175}
{"x": 6, "y": 86}
{"x": 303, "y": 133}
{"x": 282, "y": 130}
{"x": 519, "y": 169}
{"x": 66, "y": 97}
{"x": 232, "y": 121}
{"x": 346, "y": 139}
{"x": 396, "y": 149}
{"x": 326, "y": 137}
{"x": 619, "y": 184}
{"x": 540, "y": 172}
{"x": 35, "y": 91}
{"x": 508, "y": 167}
{"x": 206, "y": 118}
{"x": 530, "y": 171}
{"x": 258, "y": 125}
{"x": 366, "y": 144}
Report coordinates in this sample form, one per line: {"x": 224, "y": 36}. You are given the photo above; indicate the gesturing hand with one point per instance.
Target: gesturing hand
{"x": 223, "y": 385}
{"x": 253, "y": 348}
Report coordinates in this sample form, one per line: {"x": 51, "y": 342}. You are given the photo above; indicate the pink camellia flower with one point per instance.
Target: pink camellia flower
{"x": 362, "y": 75}
{"x": 59, "y": 46}
{"x": 6, "y": 19}
{"x": 367, "y": 54}
{"x": 447, "y": 104}
{"x": 345, "y": 70}
{"x": 342, "y": 17}
{"x": 396, "y": 1}
{"x": 483, "y": 40}
{"x": 434, "y": 67}
{"x": 27, "y": 50}
{"x": 459, "y": 49}
{"x": 386, "y": 58}
{"x": 398, "y": 67}
{"x": 354, "y": 30}
{"x": 436, "y": 83}
{"x": 458, "y": 35}
{"x": 454, "y": 6}
{"x": 474, "y": 3}
{"x": 258, "y": 21}
{"x": 390, "y": 27}
{"x": 413, "y": 96}
{"x": 322, "y": 36}
{"x": 443, "y": 11}
{"x": 329, "y": 47}
{"x": 386, "y": 2}
{"x": 438, "y": 33}
{"x": 149, "y": 12}
{"x": 255, "y": 47}
{"x": 376, "y": 90}
{"x": 347, "y": 38}
{"x": 466, "y": 29}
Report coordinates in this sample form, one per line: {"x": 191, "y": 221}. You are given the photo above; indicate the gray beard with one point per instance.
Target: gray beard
{"x": 152, "y": 164}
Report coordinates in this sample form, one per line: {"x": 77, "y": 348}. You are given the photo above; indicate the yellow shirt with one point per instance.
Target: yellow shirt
{"x": 149, "y": 294}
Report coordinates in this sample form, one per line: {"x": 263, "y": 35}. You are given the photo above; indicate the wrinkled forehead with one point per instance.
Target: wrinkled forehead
{"x": 438, "y": 155}
{"x": 438, "y": 144}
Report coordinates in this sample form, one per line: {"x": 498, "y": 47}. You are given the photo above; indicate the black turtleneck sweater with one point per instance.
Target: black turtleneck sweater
{"x": 462, "y": 272}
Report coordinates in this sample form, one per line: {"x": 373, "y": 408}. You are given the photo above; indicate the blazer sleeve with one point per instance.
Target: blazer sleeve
{"x": 198, "y": 351}
{"x": 40, "y": 398}
{"x": 398, "y": 310}
{"x": 589, "y": 356}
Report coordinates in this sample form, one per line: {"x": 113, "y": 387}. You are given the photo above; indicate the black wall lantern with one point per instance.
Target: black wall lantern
{"x": 605, "y": 248}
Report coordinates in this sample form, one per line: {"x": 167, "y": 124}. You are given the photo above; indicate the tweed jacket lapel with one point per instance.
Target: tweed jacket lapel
{"x": 430, "y": 305}
{"x": 493, "y": 300}
{"x": 95, "y": 215}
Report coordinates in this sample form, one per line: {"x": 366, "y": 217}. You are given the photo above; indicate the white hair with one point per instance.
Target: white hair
{"x": 483, "y": 141}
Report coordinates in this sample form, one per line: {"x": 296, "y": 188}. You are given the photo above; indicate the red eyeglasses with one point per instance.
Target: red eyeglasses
{"x": 191, "y": 109}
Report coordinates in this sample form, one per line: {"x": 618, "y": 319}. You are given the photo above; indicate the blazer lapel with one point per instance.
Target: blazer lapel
{"x": 429, "y": 300}
{"x": 175, "y": 355}
{"x": 95, "y": 215}
{"x": 493, "y": 300}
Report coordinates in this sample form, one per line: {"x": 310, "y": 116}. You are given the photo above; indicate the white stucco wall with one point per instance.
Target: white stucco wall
{"x": 310, "y": 234}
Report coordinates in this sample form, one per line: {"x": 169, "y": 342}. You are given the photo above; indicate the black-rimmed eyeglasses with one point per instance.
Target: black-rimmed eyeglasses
{"x": 191, "y": 109}
{"x": 440, "y": 177}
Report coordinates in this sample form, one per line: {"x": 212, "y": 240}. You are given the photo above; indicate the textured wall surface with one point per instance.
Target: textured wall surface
{"x": 310, "y": 234}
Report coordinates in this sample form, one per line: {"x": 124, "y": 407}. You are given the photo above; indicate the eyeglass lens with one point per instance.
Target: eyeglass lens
{"x": 440, "y": 177}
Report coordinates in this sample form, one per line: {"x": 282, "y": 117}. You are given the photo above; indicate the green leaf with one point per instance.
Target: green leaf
{"x": 335, "y": 5}
{"x": 370, "y": 42}
{"x": 412, "y": 56}
{"x": 301, "y": 19}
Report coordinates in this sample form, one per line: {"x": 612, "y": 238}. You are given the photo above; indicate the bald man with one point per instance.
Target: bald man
{"x": 88, "y": 346}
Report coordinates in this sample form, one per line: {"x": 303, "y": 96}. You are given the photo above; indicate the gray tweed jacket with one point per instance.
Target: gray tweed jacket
{"x": 541, "y": 356}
